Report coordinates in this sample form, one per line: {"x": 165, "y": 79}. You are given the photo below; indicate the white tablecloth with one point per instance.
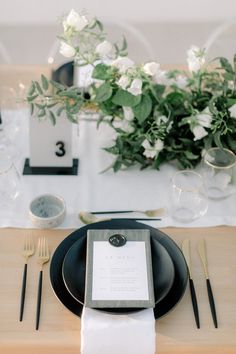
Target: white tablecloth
{"x": 90, "y": 190}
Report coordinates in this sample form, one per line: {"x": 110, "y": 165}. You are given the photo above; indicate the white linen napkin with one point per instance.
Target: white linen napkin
{"x": 103, "y": 333}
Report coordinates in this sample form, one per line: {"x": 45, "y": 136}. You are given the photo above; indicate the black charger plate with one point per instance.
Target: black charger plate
{"x": 74, "y": 269}
{"x": 163, "y": 307}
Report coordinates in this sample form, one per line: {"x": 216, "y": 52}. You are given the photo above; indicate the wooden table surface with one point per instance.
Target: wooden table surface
{"x": 59, "y": 331}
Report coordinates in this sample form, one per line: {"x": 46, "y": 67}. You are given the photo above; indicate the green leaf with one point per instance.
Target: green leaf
{"x": 117, "y": 165}
{"x": 52, "y": 118}
{"x": 104, "y": 92}
{"x": 70, "y": 94}
{"x": 100, "y": 25}
{"x": 31, "y": 109}
{"x": 60, "y": 110}
{"x": 32, "y": 98}
{"x": 124, "y": 44}
{"x": 45, "y": 82}
{"x": 190, "y": 155}
{"x": 101, "y": 72}
{"x": 41, "y": 113}
{"x": 143, "y": 109}
{"x": 126, "y": 99}
{"x": 31, "y": 89}
{"x": 38, "y": 87}
{"x": 57, "y": 85}
{"x": 226, "y": 65}
{"x": 217, "y": 139}
{"x": 71, "y": 117}
{"x": 235, "y": 62}
{"x": 159, "y": 90}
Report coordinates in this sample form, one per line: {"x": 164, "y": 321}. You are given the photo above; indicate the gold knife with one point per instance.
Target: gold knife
{"x": 187, "y": 256}
{"x": 203, "y": 257}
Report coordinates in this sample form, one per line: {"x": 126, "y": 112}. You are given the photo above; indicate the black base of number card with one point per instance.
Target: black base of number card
{"x": 57, "y": 170}
{"x": 119, "y": 269}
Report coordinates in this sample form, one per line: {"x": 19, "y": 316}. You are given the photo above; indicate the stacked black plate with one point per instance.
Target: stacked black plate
{"x": 68, "y": 267}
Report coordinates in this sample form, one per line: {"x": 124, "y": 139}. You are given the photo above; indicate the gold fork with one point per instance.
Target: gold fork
{"x": 43, "y": 257}
{"x": 28, "y": 251}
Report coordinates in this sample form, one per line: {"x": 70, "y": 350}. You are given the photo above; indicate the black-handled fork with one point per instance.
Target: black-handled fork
{"x": 43, "y": 257}
{"x": 28, "y": 251}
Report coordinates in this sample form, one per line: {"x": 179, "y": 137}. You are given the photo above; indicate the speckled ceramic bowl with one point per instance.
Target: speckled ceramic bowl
{"x": 47, "y": 211}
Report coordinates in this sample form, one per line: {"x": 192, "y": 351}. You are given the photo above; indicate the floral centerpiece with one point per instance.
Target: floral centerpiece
{"x": 159, "y": 116}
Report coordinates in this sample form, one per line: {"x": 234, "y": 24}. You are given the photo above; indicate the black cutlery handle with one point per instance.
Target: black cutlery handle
{"x": 39, "y": 299}
{"x": 23, "y": 289}
{"x": 194, "y": 302}
{"x": 211, "y": 302}
{"x": 112, "y": 212}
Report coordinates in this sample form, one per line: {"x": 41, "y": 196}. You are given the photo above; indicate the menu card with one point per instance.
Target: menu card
{"x": 119, "y": 269}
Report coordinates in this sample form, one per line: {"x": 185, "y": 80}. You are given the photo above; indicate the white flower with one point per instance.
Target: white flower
{"x": 151, "y": 151}
{"x": 151, "y": 68}
{"x": 104, "y": 48}
{"x": 127, "y": 127}
{"x": 161, "y": 78}
{"x": 122, "y": 64}
{"x": 123, "y": 82}
{"x": 67, "y": 50}
{"x": 195, "y": 58}
{"x": 135, "y": 87}
{"x": 161, "y": 119}
{"x": 199, "y": 132}
{"x": 181, "y": 81}
{"x": 204, "y": 118}
{"x": 128, "y": 113}
{"x": 75, "y": 21}
{"x": 123, "y": 124}
{"x": 233, "y": 111}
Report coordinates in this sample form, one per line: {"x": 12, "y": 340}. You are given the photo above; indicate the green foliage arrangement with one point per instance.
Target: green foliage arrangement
{"x": 159, "y": 116}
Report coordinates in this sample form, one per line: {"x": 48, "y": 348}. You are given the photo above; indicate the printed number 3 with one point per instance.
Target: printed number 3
{"x": 61, "y": 149}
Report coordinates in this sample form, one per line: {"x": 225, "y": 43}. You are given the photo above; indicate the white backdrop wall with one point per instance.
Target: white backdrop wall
{"x": 48, "y": 11}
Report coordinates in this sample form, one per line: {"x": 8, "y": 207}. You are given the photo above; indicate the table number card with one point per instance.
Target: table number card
{"x": 119, "y": 269}
{"x": 50, "y": 147}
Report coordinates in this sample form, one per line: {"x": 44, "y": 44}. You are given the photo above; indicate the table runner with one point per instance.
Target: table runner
{"x": 93, "y": 190}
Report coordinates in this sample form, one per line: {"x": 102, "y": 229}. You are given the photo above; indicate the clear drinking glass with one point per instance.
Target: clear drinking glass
{"x": 9, "y": 181}
{"x": 218, "y": 170}
{"x": 188, "y": 201}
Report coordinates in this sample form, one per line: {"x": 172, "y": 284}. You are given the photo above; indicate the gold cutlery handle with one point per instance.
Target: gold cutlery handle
{"x": 203, "y": 257}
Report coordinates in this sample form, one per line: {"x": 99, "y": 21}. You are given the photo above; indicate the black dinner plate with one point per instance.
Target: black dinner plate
{"x": 163, "y": 307}
{"x": 74, "y": 269}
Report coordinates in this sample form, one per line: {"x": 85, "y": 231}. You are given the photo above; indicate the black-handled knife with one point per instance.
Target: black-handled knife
{"x": 186, "y": 252}
{"x": 202, "y": 254}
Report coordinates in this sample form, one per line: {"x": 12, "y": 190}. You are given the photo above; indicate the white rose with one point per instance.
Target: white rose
{"x": 128, "y": 113}
{"x": 104, "y": 48}
{"x": 75, "y": 20}
{"x": 199, "y": 132}
{"x": 232, "y": 110}
{"x": 135, "y": 87}
{"x": 123, "y": 64}
{"x": 123, "y": 82}
{"x": 195, "y": 58}
{"x": 151, "y": 68}
{"x": 67, "y": 50}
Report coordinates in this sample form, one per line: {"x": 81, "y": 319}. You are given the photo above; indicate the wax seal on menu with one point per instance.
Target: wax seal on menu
{"x": 117, "y": 240}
